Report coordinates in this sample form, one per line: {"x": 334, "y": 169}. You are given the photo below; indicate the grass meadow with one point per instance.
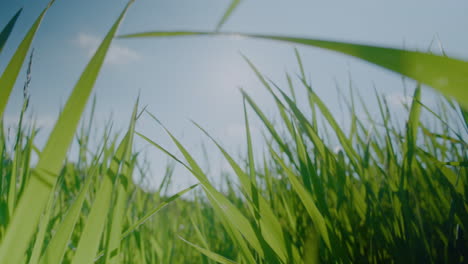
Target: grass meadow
{"x": 389, "y": 194}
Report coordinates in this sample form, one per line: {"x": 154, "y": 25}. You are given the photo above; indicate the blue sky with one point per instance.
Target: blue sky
{"x": 198, "y": 77}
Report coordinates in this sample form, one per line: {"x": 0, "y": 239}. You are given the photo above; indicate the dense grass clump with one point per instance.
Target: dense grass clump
{"x": 71, "y": 214}
{"x": 390, "y": 194}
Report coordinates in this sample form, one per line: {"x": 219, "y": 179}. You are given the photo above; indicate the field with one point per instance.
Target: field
{"x": 388, "y": 194}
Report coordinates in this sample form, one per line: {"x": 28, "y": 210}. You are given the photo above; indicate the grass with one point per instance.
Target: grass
{"x": 390, "y": 194}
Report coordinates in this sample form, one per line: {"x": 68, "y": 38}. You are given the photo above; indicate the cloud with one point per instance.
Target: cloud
{"x": 116, "y": 55}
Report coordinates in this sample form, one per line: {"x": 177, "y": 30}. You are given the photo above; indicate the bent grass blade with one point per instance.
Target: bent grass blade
{"x": 216, "y": 257}
{"x": 448, "y": 75}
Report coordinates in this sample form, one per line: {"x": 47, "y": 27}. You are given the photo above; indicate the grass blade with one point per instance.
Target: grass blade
{"x": 236, "y": 219}
{"x": 118, "y": 207}
{"x": 234, "y": 4}
{"x": 10, "y": 74}
{"x": 7, "y": 29}
{"x": 448, "y": 75}
{"x": 41, "y": 232}
{"x": 58, "y": 244}
{"x": 145, "y": 218}
{"x": 269, "y": 224}
{"x": 317, "y": 218}
{"x": 91, "y": 235}
{"x": 216, "y": 257}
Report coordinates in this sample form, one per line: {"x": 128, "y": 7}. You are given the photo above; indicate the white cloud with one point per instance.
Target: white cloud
{"x": 117, "y": 54}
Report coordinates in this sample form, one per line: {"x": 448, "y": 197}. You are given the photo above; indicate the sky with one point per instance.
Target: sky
{"x": 198, "y": 78}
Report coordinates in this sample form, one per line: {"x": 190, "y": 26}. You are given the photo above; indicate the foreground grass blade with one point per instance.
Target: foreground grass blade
{"x": 9, "y": 76}
{"x": 448, "y": 75}
{"x": 41, "y": 232}
{"x": 7, "y": 29}
{"x": 39, "y": 188}
{"x": 58, "y": 245}
{"x": 234, "y": 4}
{"x": 216, "y": 257}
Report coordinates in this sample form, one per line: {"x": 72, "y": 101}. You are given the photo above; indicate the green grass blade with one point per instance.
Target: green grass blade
{"x": 301, "y": 66}
{"x": 464, "y": 113}
{"x": 58, "y": 244}
{"x": 234, "y": 4}
{"x": 411, "y": 134}
{"x": 243, "y": 177}
{"x": 317, "y": 218}
{"x": 118, "y": 207}
{"x": 38, "y": 243}
{"x": 448, "y": 75}
{"x": 258, "y": 74}
{"x": 152, "y": 212}
{"x": 250, "y": 155}
{"x": 269, "y": 224}
{"x": 413, "y": 120}
{"x": 91, "y": 235}
{"x": 345, "y": 142}
{"x": 10, "y": 74}
{"x": 273, "y": 237}
{"x": 284, "y": 147}
{"x": 305, "y": 125}
{"x": 216, "y": 257}
{"x": 457, "y": 163}
{"x": 236, "y": 218}
{"x": 268, "y": 87}
{"x": 7, "y": 29}
{"x": 40, "y": 185}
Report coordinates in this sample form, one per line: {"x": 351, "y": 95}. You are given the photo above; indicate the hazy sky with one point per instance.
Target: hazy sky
{"x": 199, "y": 77}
